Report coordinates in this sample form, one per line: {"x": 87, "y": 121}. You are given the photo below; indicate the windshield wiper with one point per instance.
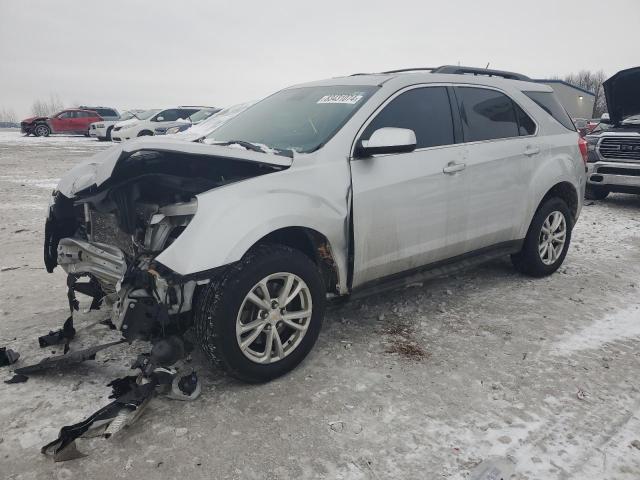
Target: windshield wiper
{"x": 243, "y": 143}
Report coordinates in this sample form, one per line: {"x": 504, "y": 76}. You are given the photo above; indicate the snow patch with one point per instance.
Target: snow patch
{"x": 622, "y": 325}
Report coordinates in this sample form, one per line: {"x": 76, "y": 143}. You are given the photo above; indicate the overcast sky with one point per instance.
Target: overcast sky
{"x": 128, "y": 53}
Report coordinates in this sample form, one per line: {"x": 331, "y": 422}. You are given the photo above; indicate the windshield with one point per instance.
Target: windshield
{"x": 127, "y": 115}
{"x": 298, "y": 119}
{"x": 146, "y": 114}
{"x": 202, "y": 114}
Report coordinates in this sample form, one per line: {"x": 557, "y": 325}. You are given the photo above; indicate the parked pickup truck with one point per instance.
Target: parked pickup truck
{"x": 335, "y": 188}
{"x": 614, "y": 160}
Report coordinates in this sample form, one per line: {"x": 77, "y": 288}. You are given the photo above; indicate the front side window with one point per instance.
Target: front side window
{"x": 64, "y": 115}
{"x": 170, "y": 115}
{"x": 299, "y": 119}
{"x": 426, "y": 111}
{"x": 486, "y": 114}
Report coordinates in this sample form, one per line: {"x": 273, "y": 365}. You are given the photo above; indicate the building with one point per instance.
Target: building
{"x": 577, "y": 101}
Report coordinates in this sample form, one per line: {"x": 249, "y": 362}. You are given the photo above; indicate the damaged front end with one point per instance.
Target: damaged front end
{"x": 107, "y": 235}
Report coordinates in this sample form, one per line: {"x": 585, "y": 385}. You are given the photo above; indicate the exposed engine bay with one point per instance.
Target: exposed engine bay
{"x": 110, "y": 235}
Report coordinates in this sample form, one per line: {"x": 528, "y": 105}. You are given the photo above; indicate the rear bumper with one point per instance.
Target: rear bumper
{"x": 615, "y": 176}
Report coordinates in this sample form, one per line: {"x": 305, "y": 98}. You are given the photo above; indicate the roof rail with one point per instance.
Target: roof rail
{"x": 409, "y": 70}
{"x": 456, "y": 69}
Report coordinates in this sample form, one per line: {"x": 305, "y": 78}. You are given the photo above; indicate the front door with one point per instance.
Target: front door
{"x": 403, "y": 204}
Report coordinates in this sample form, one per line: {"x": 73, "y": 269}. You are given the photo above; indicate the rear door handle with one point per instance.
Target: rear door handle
{"x": 530, "y": 151}
{"x": 453, "y": 167}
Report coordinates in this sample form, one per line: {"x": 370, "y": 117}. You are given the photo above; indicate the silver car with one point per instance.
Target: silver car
{"x": 330, "y": 189}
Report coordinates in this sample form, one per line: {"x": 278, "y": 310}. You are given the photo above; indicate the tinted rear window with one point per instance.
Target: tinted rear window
{"x": 548, "y": 102}
{"x": 106, "y": 112}
{"x": 486, "y": 114}
{"x": 426, "y": 111}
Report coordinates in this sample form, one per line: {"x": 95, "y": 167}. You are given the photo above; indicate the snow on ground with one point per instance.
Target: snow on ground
{"x": 536, "y": 376}
{"x": 621, "y": 325}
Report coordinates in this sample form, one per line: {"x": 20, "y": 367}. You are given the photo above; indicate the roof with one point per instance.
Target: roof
{"x": 542, "y": 80}
{"x": 396, "y": 78}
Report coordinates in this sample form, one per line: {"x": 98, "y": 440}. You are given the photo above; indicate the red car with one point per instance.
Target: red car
{"x": 72, "y": 120}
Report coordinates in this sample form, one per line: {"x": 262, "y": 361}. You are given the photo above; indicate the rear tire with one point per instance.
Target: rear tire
{"x": 594, "y": 192}
{"x": 236, "y": 299}
{"x": 42, "y": 130}
{"x": 109, "y": 134}
{"x": 546, "y": 244}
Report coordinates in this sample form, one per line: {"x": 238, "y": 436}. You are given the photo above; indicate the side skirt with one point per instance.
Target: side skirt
{"x": 437, "y": 269}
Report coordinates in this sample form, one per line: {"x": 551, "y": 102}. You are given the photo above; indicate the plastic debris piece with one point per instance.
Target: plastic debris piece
{"x": 17, "y": 379}
{"x": 65, "y": 334}
{"x": 8, "y": 356}
{"x": 62, "y": 361}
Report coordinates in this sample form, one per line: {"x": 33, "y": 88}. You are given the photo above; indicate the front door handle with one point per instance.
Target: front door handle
{"x": 453, "y": 167}
{"x": 530, "y": 151}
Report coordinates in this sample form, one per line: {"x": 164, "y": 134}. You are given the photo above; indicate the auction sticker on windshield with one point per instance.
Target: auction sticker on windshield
{"x": 350, "y": 99}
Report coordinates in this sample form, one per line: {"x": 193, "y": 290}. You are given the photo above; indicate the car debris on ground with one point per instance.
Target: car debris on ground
{"x": 130, "y": 394}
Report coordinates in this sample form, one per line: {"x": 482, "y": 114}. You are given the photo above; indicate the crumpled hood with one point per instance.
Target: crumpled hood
{"x": 622, "y": 92}
{"x": 33, "y": 119}
{"x": 99, "y": 167}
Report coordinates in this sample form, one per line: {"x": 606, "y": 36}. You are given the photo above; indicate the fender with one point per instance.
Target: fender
{"x": 231, "y": 219}
{"x": 559, "y": 164}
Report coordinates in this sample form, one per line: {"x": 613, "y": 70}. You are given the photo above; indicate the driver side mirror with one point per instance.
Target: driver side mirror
{"x": 387, "y": 140}
{"x": 605, "y": 119}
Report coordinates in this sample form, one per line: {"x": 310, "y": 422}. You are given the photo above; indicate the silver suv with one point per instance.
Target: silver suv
{"x": 329, "y": 189}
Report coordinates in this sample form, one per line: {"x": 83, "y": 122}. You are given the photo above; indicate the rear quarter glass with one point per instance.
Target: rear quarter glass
{"x": 549, "y": 103}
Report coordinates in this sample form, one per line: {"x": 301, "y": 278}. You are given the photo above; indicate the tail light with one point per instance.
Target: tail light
{"x": 582, "y": 144}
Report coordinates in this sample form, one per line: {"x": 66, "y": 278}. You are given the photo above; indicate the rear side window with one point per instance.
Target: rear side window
{"x": 486, "y": 114}
{"x": 186, "y": 113}
{"x": 106, "y": 112}
{"x": 426, "y": 111}
{"x": 548, "y": 102}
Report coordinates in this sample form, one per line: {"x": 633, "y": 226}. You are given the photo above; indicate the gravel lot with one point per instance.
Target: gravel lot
{"x": 538, "y": 376}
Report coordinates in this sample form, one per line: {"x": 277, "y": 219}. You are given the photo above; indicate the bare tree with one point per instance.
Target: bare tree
{"x": 44, "y": 108}
{"x": 7, "y": 115}
{"x": 591, "y": 81}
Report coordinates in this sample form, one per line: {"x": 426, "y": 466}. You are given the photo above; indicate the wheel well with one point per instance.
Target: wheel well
{"x": 566, "y": 192}
{"x": 144, "y": 132}
{"x": 314, "y": 245}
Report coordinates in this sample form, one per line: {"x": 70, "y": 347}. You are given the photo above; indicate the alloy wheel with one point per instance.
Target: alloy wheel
{"x": 274, "y": 317}
{"x": 552, "y": 238}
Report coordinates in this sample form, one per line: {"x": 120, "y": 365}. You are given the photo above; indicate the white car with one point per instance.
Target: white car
{"x": 197, "y": 131}
{"x": 102, "y": 130}
{"x": 341, "y": 187}
{"x": 166, "y": 118}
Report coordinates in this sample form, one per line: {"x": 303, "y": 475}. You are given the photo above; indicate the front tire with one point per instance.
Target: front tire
{"x": 145, "y": 133}
{"x": 547, "y": 240}
{"x": 109, "y": 134}
{"x": 42, "y": 130}
{"x": 594, "y": 192}
{"x": 260, "y": 318}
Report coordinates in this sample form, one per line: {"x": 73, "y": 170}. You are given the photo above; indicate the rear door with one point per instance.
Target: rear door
{"x": 403, "y": 203}
{"x": 499, "y": 139}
